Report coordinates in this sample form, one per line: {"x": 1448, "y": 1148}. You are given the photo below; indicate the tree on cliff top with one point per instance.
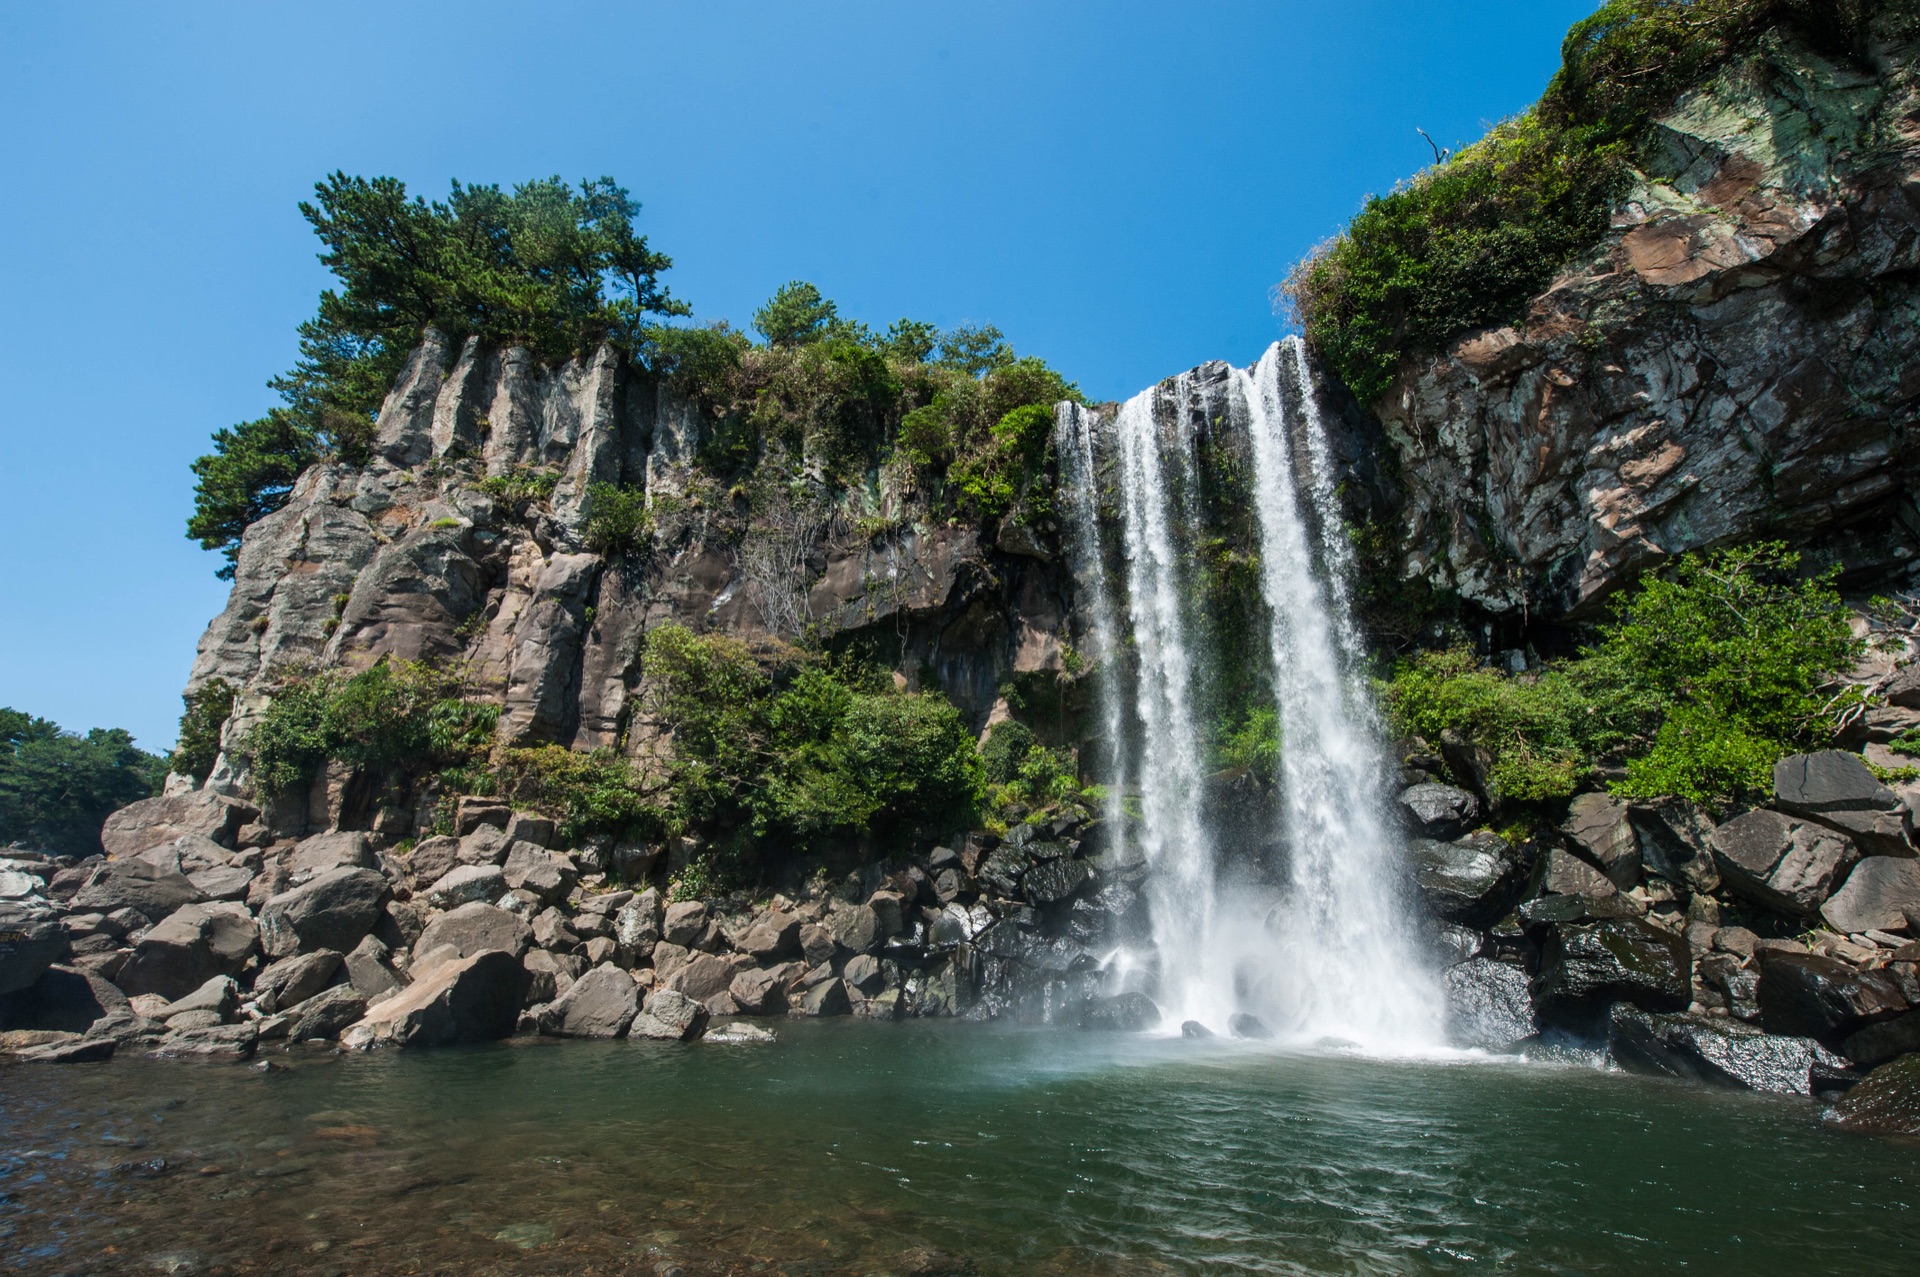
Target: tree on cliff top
{"x": 552, "y": 267}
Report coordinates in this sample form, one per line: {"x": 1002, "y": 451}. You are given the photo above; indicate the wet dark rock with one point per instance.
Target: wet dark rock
{"x": 332, "y": 912}
{"x": 1781, "y": 862}
{"x": 475, "y": 928}
{"x": 1714, "y": 1050}
{"x": 1882, "y": 893}
{"x": 1736, "y": 981}
{"x": 1242, "y": 1025}
{"x": 1537, "y": 914}
{"x": 1883, "y": 1041}
{"x": 326, "y": 1015}
{"x": 1674, "y": 842}
{"x": 470, "y": 999}
{"x": 1195, "y": 1030}
{"x": 1052, "y": 881}
{"x": 135, "y": 884}
{"x": 1488, "y": 1005}
{"x": 1438, "y": 811}
{"x": 1812, "y": 995}
{"x": 669, "y": 1016}
{"x": 1585, "y": 966}
{"x": 600, "y": 1004}
{"x": 1472, "y": 882}
{"x": 1887, "y": 1102}
{"x": 1122, "y": 1013}
{"x": 1003, "y": 870}
{"x": 1568, "y": 875}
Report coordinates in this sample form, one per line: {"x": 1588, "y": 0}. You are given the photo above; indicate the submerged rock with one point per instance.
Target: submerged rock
{"x": 1243, "y": 1025}
{"x": 1887, "y": 1102}
{"x": 1131, "y": 1012}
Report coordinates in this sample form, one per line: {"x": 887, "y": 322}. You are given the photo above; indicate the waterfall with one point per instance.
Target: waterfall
{"x": 1319, "y": 947}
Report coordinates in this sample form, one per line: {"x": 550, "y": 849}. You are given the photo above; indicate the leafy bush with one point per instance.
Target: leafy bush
{"x": 1254, "y": 745}
{"x": 201, "y": 723}
{"x": 786, "y": 743}
{"x": 404, "y": 716}
{"x": 588, "y": 791}
{"x": 1705, "y": 677}
{"x": 549, "y": 266}
{"x": 1008, "y": 744}
{"x": 57, "y": 788}
{"x": 520, "y": 486}
{"x": 618, "y": 521}
{"x": 1469, "y": 241}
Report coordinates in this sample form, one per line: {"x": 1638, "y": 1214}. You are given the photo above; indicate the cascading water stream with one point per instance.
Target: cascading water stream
{"x": 1325, "y": 953}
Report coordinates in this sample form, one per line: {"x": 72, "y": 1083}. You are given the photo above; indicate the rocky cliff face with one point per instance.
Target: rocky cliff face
{"x": 1740, "y": 358}
{"x": 414, "y": 555}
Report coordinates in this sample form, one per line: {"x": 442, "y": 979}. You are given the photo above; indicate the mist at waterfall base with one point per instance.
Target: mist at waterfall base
{"x": 1318, "y": 946}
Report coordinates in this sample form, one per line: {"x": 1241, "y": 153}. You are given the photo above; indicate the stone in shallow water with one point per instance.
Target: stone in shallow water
{"x": 1888, "y": 1101}
{"x": 1711, "y": 1049}
{"x": 600, "y": 1004}
{"x": 1488, "y": 1006}
{"x": 669, "y": 1016}
{"x": 1194, "y": 1029}
{"x": 733, "y": 1034}
{"x": 1243, "y": 1025}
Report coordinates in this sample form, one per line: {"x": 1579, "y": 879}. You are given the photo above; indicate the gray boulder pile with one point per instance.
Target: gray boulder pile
{"x": 200, "y": 936}
{"x": 1777, "y": 949}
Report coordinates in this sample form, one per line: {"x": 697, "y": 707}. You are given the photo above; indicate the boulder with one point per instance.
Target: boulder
{"x": 1488, "y": 1006}
{"x": 1437, "y": 811}
{"x": 331, "y": 912}
{"x": 1568, "y": 875}
{"x": 31, "y": 940}
{"x": 192, "y": 945}
{"x": 600, "y": 1004}
{"x": 685, "y": 923}
{"x": 550, "y": 974}
{"x": 1052, "y": 881}
{"x": 293, "y": 980}
{"x": 1473, "y": 882}
{"x": 548, "y": 875}
{"x": 63, "y": 999}
{"x": 776, "y": 936}
{"x": 152, "y": 822}
{"x": 473, "y": 813}
{"x": 220, "y": 996}
{"x": 209, "y": 1042}
{"x": 61, "y": 1048}
{"x": 486, "y": 845}
{"x": 1674, "y": 835}
{"x": 1811, "y": 995}
{"x": 475, "y": 998}
{"x": 1887, "y": 1102}
{"x": 761, "y": 991}
{"x": 1827, "y": 781}
{"x": 863, "y": 972}
{"x": 1584, "y": 967}
{"x": 371, "y": 970}
{"x": 1883, "y": 1040}
{"x": 669, "y": 1016}
{"x": 1599, "y": 831}
{"x": 1781, "y": 862}
{"x": 855, "y": 928}
{"x": 636, "y": 925}
{"x": 324, "y": 853}
{"x": 475, "y": 928}
{"x": 138, "y": 885}
{"x": 1130, "y": 1012}
{"x": 1881, "y": 894}
{"x": 706, "y": 975}
{"x": 225, "y": 882}
{"x": 1250, "y": 1027}
{"x": 431, "y": 860}
{"x": 829, "y": 997}
{"x": 326, "y": 1015}
{"x": 1715, "y": 1050}
{"x": 466, "y": 884}
{"x": 525, "y": 826}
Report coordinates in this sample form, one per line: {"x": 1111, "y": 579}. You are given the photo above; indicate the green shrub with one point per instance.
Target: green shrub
{"x": 1254, "y": 745}
{"x": 618, "y": 522}
{"x": 57, "y": 787}
{"x": 1008, "y": 744}
{"x": 588, "y": 791}
{"x": 1706, "y": 675}
{"x": 201, "y": 722}
{"x": 403, "y": 716}
{"x": 521, "y": 486}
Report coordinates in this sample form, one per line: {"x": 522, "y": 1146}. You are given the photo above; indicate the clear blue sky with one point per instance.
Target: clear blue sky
{"x": 1116, "y": 185}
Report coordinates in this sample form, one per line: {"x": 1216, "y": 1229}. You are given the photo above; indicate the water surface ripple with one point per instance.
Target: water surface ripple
{"x": 928, "y": 1149}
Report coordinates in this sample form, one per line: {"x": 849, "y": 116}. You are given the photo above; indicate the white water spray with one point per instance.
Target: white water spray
{"x": 1328, "y": 955}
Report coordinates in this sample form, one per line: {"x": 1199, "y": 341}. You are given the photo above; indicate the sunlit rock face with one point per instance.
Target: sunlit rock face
{"x": 1739, "y": 358}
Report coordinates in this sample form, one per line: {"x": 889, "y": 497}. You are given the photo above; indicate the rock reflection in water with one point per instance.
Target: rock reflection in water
{"x": 924, "y": 1148}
